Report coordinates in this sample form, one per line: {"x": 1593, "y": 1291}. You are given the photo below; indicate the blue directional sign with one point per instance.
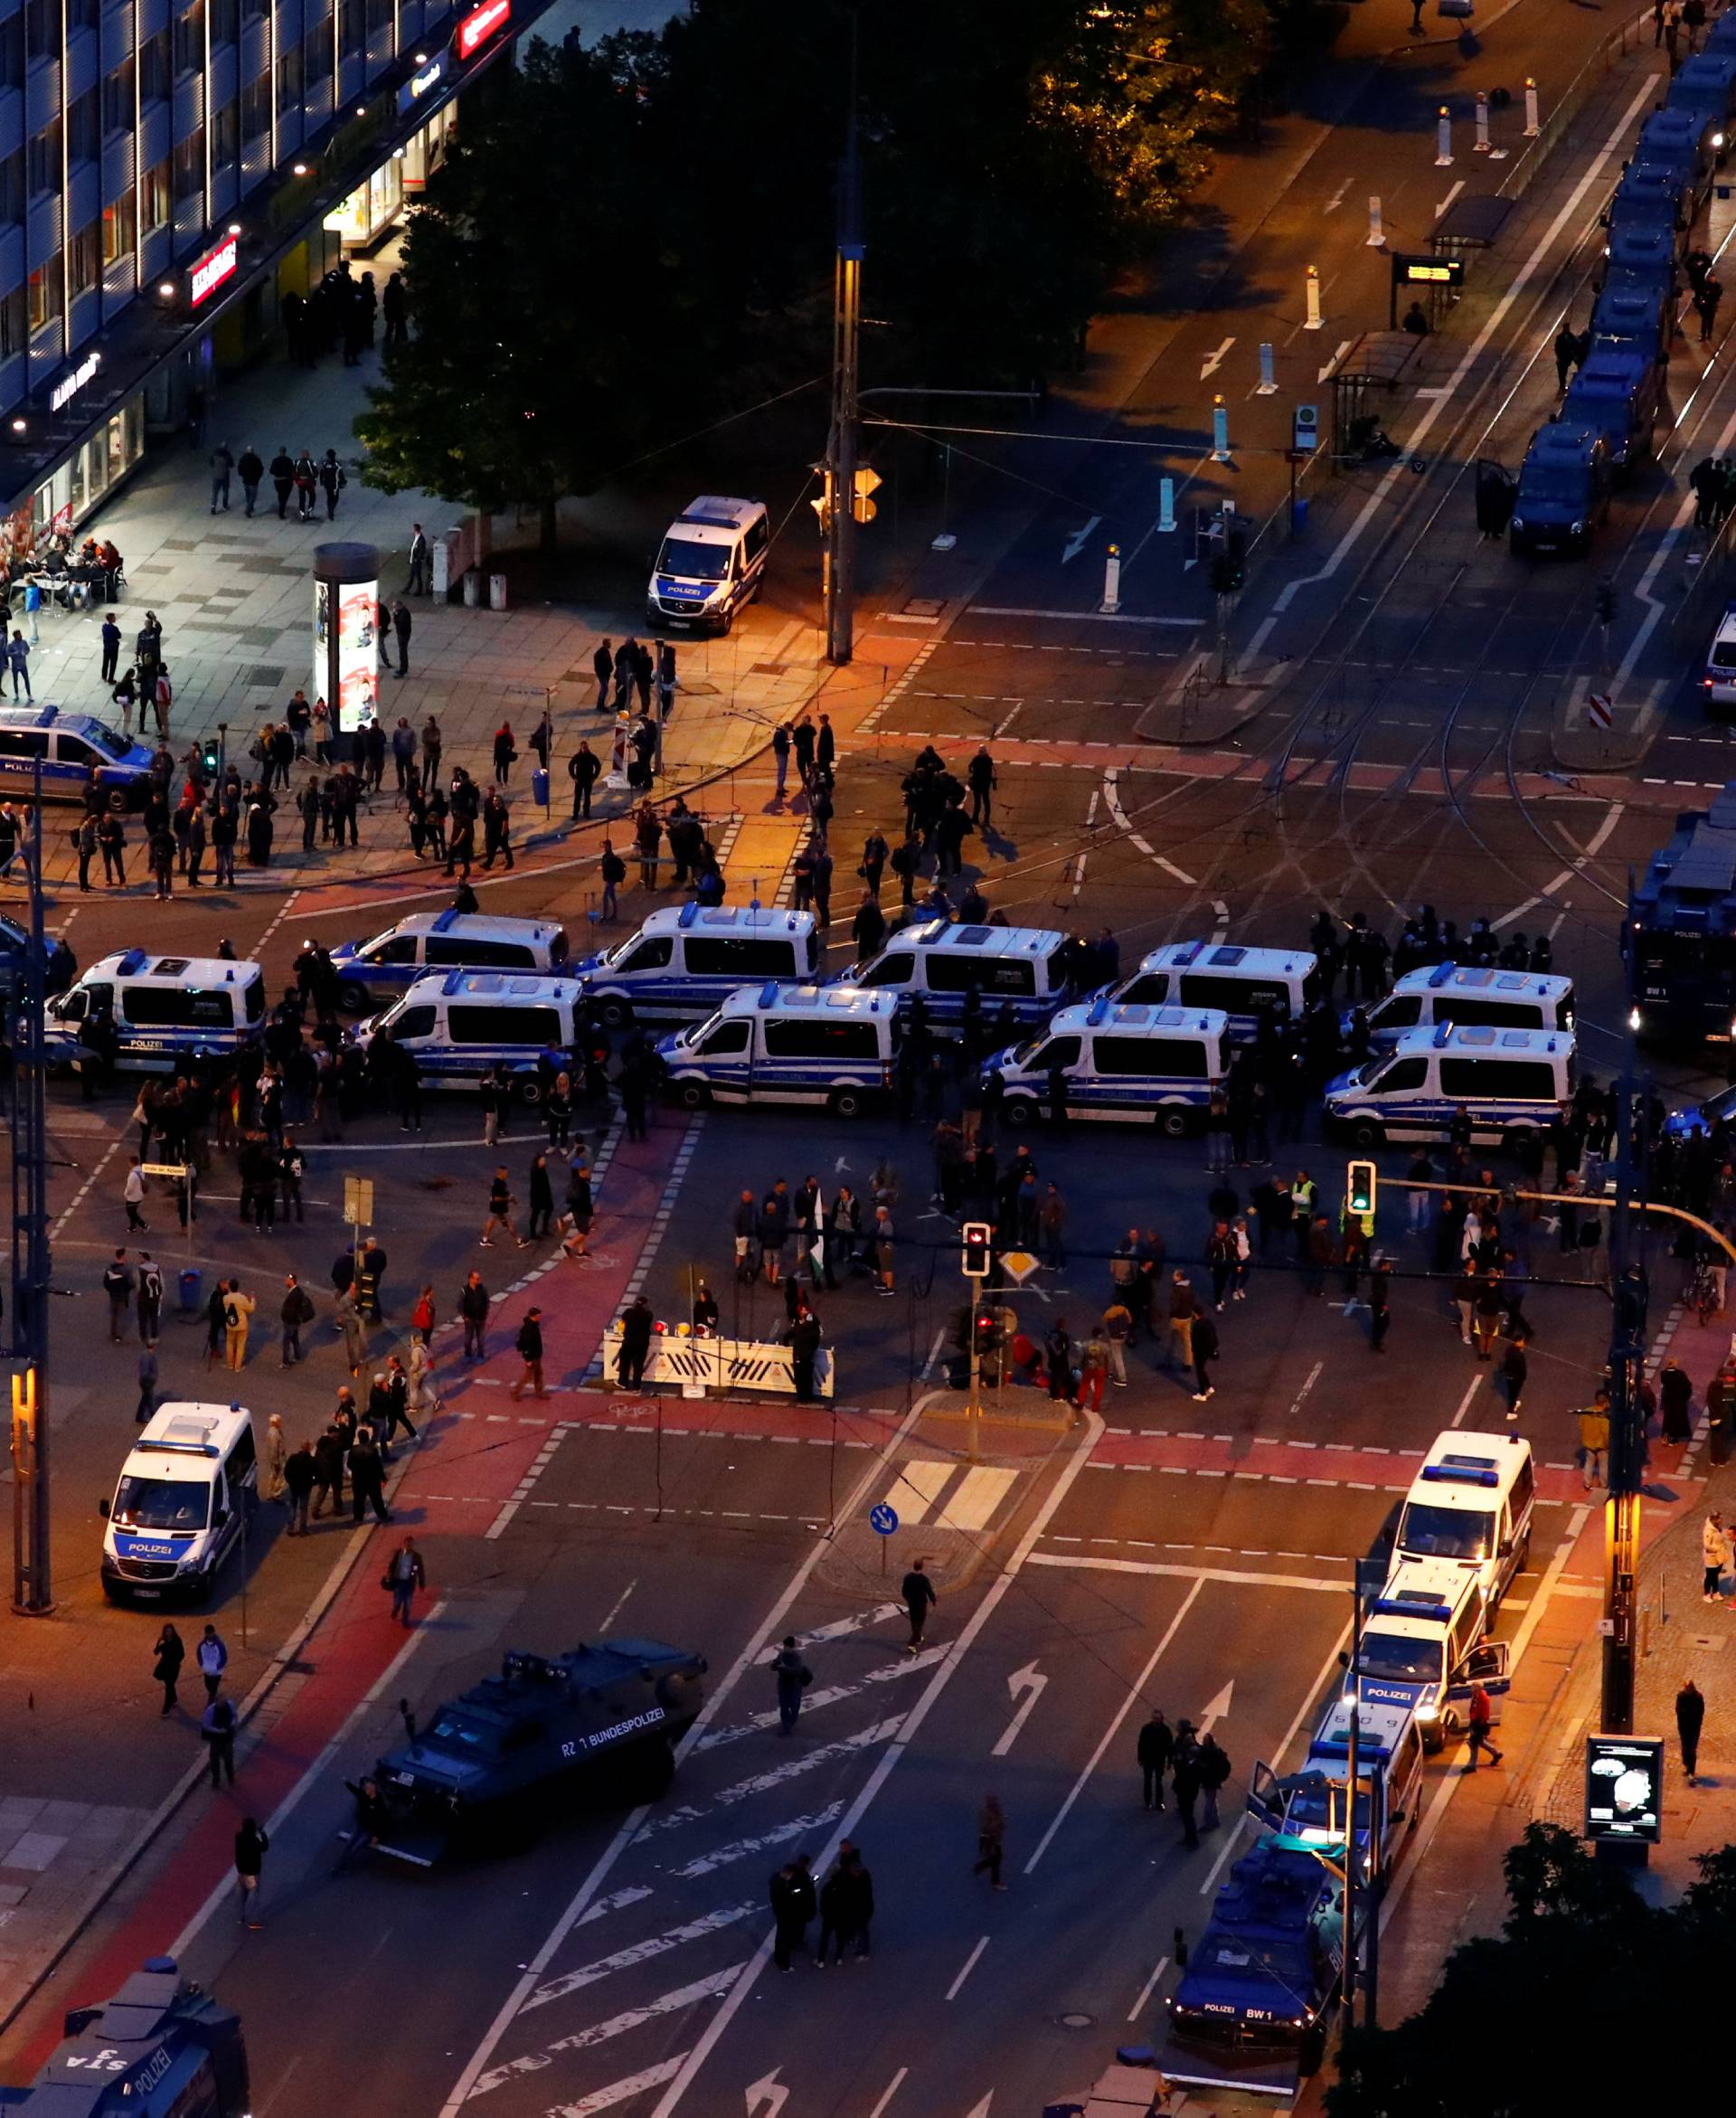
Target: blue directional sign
{"x": 883, "y": 1519}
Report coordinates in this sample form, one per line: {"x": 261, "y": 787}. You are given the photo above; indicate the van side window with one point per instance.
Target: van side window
{"x": 651, "y": 954}
{"x": 891, "y": 970}
{"x": 1234, "y": 995}
{"x": 401, "y": 948}
{"x": 1478, "y": 1014}
{"x": 758, "y": 537}
{"x": 255, "y": 1001}
{"x": 1182, "y": 1059}
{"x": 449, "y": 950}
{"x": 1524, "y": 1485}
{"x": 242, "y": 1461}
{"x": 1005, "y": 977}
{"x": 1484, "y": 1080}
{"x": 727, "y": 1040}
{"x": 792, "y": 1038}
{"x": 1400, "y": 1011}
{"x": 1061, "y": 1051}
{"x": 1403, "y": 1073}
{"x": 414, "y": 1022}
{"x": 504, "y": 1025}
{"x": 739, "y": 955}
{"x": 175, "y": 1007}
{"x": 23, "y": 743}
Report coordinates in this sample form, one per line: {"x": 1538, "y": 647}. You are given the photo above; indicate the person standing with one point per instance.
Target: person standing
{"x": 110, "y": 647}
{"x": 1188, "y": 1781}
{"x": 1215, "y": 1770}
{"x": 1380, "y": 1314}
{"x": 1714, "y": 1554}
{"x": 296, "y": 1309}
{"x": 237, "y": 1307}
{"x": 1515, "y": 1368}
{"x": 171, "y": 1652}
{"x": 473, "y": 1313}
{"x": 405, "y": 1573}
{"x": 1690, "y": 1715}
{"x": 298, "y": 1474}
{"x": 417, "y": 585}
{"x": 217, "y": 1726}
{"x": 367, "y": 1477}
{"x": 1157, "y": 1750}
{"x": 582, "y": 768}
{"x": 792, "y": 1677}
{"x": 1593, "y": 1420}
{"x": 1480, "y": 1719}
{"x": 793, "y": 1905}
{"x": 635, "y": 1347}
{"x": 529, "y": 1345}
{"x": 991, "y": 1840}
{"x": 277, "y": 1457}
{"x": 252, "y": 1845}
{"x": 401, "y": 625}
{"x": 213, "y": 1657}
{"x": 919, "y": 1597}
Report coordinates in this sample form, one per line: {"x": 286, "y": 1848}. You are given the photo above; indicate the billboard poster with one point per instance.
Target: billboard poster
{"x": 351, "y": 614}
{"x": 1624, "y": 1788}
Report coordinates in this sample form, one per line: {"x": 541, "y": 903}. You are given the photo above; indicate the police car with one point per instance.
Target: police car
{"x": 180, "y": 1503}
{"x": 392, "y": 961}
{"x": 712, "y": 562}
{"x": 1422, "y": 1647}
{"x": 1718, "y": 680}
{"x": 1471, "y": 1504}
{"x": 71, "y": 747}
{"x": 167, "y": 1011}
{"x": 1245, "y": 983}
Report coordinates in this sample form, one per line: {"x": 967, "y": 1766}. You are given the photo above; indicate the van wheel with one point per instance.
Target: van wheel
{"x": 527, "y": 1090}
{"x": 116, "y": 800}
{"x": 351, "y": 998}
{"x": 1176, "y": 1122}
{"x": 848, "y": 1102}
{"x": 1520, "y": 1141}
{"x": 614, "y": 1013}
{"x": 1019, "y": 1112}
{"x": 694, "y": 1095}
{"x": 1365, "y": 1133}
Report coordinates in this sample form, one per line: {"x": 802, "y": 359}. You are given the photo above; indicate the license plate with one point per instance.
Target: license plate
{"x": 147, "y": 1596}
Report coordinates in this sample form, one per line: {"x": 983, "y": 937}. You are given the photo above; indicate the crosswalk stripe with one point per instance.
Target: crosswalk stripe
{"x": 623, "y": 2090}
{"x": 918, "y": 1487}
{"x": 979, "y": 1494}
{"x": 702, "y": 1863}
{"x": 617, "y": 1901}
{"x": 572, "y": 1982}
{"x": 762, "y": 1782}
{"x": 715, "y": 1737}
{"x": 598, "y": 2033}
{"x": 840, "y": 1627}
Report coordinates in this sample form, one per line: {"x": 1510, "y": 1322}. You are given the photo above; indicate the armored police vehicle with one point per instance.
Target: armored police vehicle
{"x": 549, "y": 1733}
{"x": 161, "y": 2048}
{"x": 1680, "y": 937}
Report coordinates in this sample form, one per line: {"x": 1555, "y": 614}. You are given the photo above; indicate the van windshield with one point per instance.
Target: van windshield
{"x": 1403, "y": 1661}
{"x": 1446, "y": 1533}
{"x": 1552, "y": 485}
{"x": 1318, "y": 1805}
{"x": 697, "y": 562}
{"x": 143, "y": 1503}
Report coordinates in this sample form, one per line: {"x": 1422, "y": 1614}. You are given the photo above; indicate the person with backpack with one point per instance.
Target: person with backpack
{"x": 792, "y": 1677}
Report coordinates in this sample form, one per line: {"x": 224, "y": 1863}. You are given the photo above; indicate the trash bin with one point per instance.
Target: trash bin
{"x": 188, "y": 1287}
{"x": 540, "y": 787}
{"x": 472, "y": 589}
{"x": 496, "y": 591}
{"x": 1301, "y": 517}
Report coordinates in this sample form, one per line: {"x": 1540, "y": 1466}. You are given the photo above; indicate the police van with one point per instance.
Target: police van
{"x": 70, "y": 746}
{"x": 1510, "y": 1082}
{"x": 828, "y": 1044}
{"x": 168, "y": 1011}
{"x": 685, "y": 959}
{"x": 1471, "y": 1504}
{"x": 1244, "y": 982}
{"x": 457, "y": 1026}
{"x": 1017, "y": 967}
{"x": 1472, "y": 996}
{"x": 1155, "y": 1065}
{"x": 181, "y": 1504}
{"x": 1313, "y": 1802}
{"x": 1422, "y": 1647}
{"x": 439, "y": 941}
{"x": 711, "y": 563}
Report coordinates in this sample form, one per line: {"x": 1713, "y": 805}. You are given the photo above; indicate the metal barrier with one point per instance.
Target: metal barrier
{"x": 1572, "y": 99}
{"x": 699, "y": 1366}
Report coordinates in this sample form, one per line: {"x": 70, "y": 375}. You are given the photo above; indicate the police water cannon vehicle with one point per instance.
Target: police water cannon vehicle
{"x": 161, "y": 2048}
{"x": 1680, "y": 938}
{"x": 549, "y": 1733}
{"x": 1252, "y": 2004}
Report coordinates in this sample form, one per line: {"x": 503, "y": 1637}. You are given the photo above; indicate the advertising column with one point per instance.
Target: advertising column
{"x": 346, "y": 642}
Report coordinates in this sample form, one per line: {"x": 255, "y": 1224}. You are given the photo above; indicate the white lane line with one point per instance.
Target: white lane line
{"x": 284, "y": 910}
{"x": 599, "y": 2033}
{"x": 1085, "y": 1561}
{"x": 1114, "y": 1728}
{"x": 623, "y": 2090}
{"x": 716, "y": 1738}
{"x": 762, "y": 1782}
{"x": 742, "y": 1849}
{"x": 619, "y": 1605}
{"x": 573, "y": 1981}
{"x": 1077, "y": 617}
{"x": 1471, "y": 1388}
{"x": 1169, "y": 868}
{"x": 892, "y": 2088}
{"x": 954, "y": 1989}
{"x": 1148, "y": 1989}
{"x": 79, "y": 1196}
{"x": 1314, "y": 1377}
{"x": 934, "y": 1355}
{"x": 1546, "y": 894}
{"x": 617, "y": 1901}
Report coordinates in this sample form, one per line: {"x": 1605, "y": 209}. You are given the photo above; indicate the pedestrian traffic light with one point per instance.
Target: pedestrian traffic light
{"x": 1360, "y": 1186}
{"x": 978, "y": 1238}
{"x": 1235, "y": 561}
{"x": 211, "y": 756}
{"x": 1606, "y": 602}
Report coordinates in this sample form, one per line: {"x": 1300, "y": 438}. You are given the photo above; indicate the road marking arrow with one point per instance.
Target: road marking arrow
{"x": 1214, "y": 361}
{"x": 1075, "y": 544}
{"x": 1028, "y": 1681}
{"x": 766, "y": 2095}
{"x": 1337, "y": 198}
{"x": 982, "y": 2109}
{"x": 1218, "y": 1710}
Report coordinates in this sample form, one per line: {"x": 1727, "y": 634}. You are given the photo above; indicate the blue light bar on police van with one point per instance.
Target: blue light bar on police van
{"x": 1461, "y": 1473}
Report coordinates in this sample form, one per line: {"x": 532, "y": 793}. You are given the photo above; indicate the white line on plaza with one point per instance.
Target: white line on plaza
{"x": 1457, "y": 1419}
{"x": 970, "y": 1964}
{"x": 1148, "y": 1989}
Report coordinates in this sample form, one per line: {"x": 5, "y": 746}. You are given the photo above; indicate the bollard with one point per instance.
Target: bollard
{"x": 1315, "y": 319}
{"x": 1376, "y": 226}
{"x": 1482, "y": 145}
{"x": 1166, "y": 506}
{"x": 1111, "y": 602}
{"x": 1444, "y": 139}
{"x": 1268, "y": 381}
{"x": 1532, "y": 126}
{"x": 1220, "y": 432}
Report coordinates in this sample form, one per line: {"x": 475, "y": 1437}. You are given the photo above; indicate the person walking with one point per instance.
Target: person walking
{"x": 1379, "y": 1313}
{"x": 1183, "y": 1307}
{"x": 1714, "y": 1554}
{"x": 1690, "y": 1716}
{"x": 919, "y": 1597}
{"x": 1593, "y": 1421}
{"x": 367, "y": 1477}
{"x": 1187, "y": 1779}
{"x": 1156, "y": 1749}
{"x": 991, "y": 1840}
{"x": 213, "y": 1657}
{"x": 1515, "y": 1369}
{"x": 1480, "y": 1718}
{"x": 217, "y": 1726}
{"x": 237, "y": 1307}
{"x": 1215, "y": 1770}
{"x": 792, "y": 1677}
{"x": 529, "y": 1345}
{"x": 405, "y": 1573}
{"x": 252, "y": 1846}
{"x": 793, "y": 1905}
{"x": 252, "y": 470}
{"x": 500, "y": 1213}
{"x": 1204, "y": 1340}
{"x": 132, "y": 1194}
{"x": 170, "y": 1652}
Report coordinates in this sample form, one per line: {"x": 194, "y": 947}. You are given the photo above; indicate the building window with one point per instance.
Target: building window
{"x": 45, "y": 293}
{"x": 44, "y": 154}
{"x": 154, "y": 68}
{"x": 289, "y": 79}
{"x": 82, "y": 14}
{"x": 380, "y": 14}
{"x": 118, "y": 100}
{"x": 190, "y": 39}
{"x": 319, "y": 53}
{"x": 12, "y": 186}
{"x": 84, "y": 260}
{"x": 12, "y": 52}
{"x": 350, "y": 18}
{"x": 43, "y": 28}
{"x": 222, "y": 133}
{"x": 14, "y": 330}
{"x": 190, "y": 165}
{"x": 84, "y": 123}
{"x": 119, "y": 229}
{"x": 153, "y": 196}
{"x": 225, "y": 19}
{"x": 256, "y": 106}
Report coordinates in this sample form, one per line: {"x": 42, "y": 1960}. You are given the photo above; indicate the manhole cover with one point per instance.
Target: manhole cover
{"x": 1077, "y": 2021}
{"x": 924, "y": 607}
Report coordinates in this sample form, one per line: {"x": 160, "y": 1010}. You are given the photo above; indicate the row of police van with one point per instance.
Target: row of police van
{"x": 1603, "y": 431}
{"x": 1249, "y": 2008}
{"x": 747, "y": 1017}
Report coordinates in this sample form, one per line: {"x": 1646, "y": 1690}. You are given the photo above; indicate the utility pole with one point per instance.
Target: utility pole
{"x": 1627, "y": 1438}
{"x": 1355, "y": 1765}
{"x": 32, "y": 1591}
{"x": 839, "y": 506}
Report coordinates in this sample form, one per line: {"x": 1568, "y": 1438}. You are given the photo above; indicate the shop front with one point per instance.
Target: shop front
{"x": 63, "y": 500}
{"x": 362, "y": 220}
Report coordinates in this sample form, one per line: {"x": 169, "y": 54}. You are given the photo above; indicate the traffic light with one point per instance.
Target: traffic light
{"x": 1360, "y": 1186}
{"x": 1235, "y": 561}
{"x": 988, "y": 1328}
{"x": 978, "y": 1239}
{"x": 1605, "y": 594}
{"x": 211, "y": 756}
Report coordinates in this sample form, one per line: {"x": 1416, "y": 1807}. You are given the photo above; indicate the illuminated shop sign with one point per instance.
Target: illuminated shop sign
{"x": 419, "y": 82}
{"x": 216, "y": 266}
{"x": 70, "y": 385}
{"x": 480, "y": 25}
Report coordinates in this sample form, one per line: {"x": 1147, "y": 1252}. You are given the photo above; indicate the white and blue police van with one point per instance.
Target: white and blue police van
{"x": 821, "y": 1044}
{"x": 426, "y": 942}
{"x": 1511, "y": 1083}
{"x": 1473, "y": 996}
{"x": 1244, "y": 983}
{"x": 180, "y": 1503}
{"x": 1150, "y": 1065}
{"x": 1020, "y": 968}
{"x": 168, "y": 1012}
{"x": 459, "y": 1024}
{"x": 710, "y": 566}
{"x": 687, "y": 959}
{"x": 1314, "y": 1803}
{"x": 1471, "y": 1507}
{"x": 71, "y": 748}
{"x": 1422, "y": 1646}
